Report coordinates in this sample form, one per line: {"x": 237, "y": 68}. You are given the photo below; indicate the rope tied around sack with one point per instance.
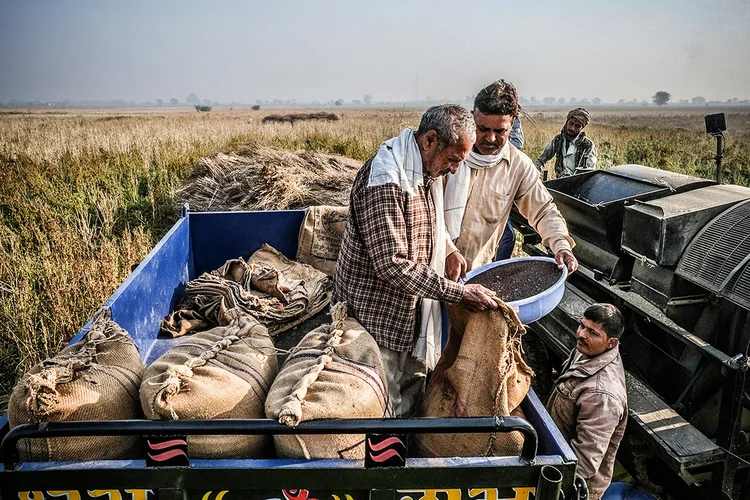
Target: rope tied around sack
{"x": 43, "y": 397}
{"x": 513, "y": 344}
{"x": 42, "y": 390}
{"x": 291, "y": 412}
{"x": 177, "y": 377}
{"x": 241, "y": 317}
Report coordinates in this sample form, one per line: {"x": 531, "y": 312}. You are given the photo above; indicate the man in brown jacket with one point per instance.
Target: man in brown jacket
{"x": 589, "y": 400}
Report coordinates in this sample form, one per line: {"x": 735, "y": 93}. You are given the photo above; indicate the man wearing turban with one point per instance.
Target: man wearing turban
{"x": 574, "y": 152}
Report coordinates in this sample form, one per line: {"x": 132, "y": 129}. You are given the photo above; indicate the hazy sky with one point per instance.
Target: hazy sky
{"x": 321, "y": 50}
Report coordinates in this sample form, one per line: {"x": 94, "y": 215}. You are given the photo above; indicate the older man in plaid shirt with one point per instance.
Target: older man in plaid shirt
{"x": 390, "y": 268}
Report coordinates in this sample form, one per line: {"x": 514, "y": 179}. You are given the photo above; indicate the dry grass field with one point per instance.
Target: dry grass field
{"x": 85, "y": 194}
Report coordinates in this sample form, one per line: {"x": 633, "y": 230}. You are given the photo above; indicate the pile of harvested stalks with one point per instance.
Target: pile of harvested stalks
{"x": 265, "y": 178}
{"x": 295, "y": 117}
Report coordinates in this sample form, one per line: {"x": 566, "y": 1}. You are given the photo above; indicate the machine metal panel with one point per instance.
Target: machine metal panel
{"x": 717, "y": 257}
{"x": 681, "y": 445}
{"x": 660, "y": 230}
{"x": 593, "y": 205}
{"x": 673, "y": 181}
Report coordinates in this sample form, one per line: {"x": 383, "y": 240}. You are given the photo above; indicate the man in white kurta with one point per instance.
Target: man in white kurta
{"x": 479, "y": 197}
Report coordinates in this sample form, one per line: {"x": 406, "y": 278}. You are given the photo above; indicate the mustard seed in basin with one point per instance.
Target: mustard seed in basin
{"x": 520, "y": 279}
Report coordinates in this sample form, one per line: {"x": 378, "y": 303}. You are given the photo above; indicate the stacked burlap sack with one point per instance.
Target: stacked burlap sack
{"x": 277, "y": 291}
{"x": 222, "y": 373}
{"x": 334, "y": 372}
{"x": 480, "y": 374}
{"x": 96, "y": 378}
{"x": 320, "y": 237}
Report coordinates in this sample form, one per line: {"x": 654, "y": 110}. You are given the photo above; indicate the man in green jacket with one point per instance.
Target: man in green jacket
{"x": 574, "y": 152}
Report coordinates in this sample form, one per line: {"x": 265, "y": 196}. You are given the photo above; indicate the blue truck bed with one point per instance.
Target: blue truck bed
{"x": 201, "y": 242}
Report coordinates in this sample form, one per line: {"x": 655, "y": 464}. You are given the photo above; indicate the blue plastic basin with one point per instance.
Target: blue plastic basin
{"x": 531, "y": 308}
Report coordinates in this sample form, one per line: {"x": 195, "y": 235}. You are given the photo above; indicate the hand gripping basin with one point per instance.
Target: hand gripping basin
{"x": 531, "y": 308}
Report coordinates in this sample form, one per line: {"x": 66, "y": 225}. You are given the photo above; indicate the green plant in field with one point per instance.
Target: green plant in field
{"x": 199, "y": 107}
{"x": 649, "y": 151}
{"x": 351, "y": 147}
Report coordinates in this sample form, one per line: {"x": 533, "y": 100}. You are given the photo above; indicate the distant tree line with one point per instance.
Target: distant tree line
{"x": 660, "y": 99}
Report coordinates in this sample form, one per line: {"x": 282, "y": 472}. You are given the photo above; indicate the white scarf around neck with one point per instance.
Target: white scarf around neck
{"x": 398, "y": 161}
{"x": 428, "y": 344}
{"x": 457, "y": 188}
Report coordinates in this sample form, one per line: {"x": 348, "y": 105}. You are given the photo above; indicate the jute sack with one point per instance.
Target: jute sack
{"x": 96, "y": 378}
{"x": 480, "y": 374}
{"x": 320, "y": 237}
{"x": 221, "y": 373}
{"x": 309, "y": 287}
{"x": 279, "y": 292}
{"x": 334, "y": 372}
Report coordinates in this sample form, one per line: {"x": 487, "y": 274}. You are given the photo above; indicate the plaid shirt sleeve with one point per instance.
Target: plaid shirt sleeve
{"x": 384, "y": 231}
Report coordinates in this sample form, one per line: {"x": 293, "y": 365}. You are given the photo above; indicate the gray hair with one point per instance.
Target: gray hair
{"x": 450, "y": 122}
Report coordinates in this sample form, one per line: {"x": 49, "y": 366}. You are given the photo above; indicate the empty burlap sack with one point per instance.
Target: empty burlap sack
{"x": 224, "y": 372}
{"x": 97, "y": 378}
{"x": 334, "y": 372}
{"x": 480, "y": 374}
{"x": 277, "y": 291}
{"x": 309, "y": 289}
{"x": 182, "y": 321}
{"x": 320, "y": 237}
